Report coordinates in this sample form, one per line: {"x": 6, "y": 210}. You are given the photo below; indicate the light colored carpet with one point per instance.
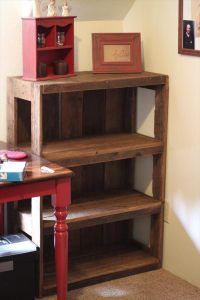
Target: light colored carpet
{"x": 154, "y": 285}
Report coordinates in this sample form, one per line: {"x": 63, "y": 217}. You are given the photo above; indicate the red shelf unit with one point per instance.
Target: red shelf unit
{"x": 33, "y": 55}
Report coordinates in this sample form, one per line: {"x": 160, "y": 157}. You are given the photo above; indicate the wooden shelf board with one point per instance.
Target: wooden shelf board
{"x": 112, "y": 263}
{"x": 84, "y": 81}
{"x": 92, "y": 150}
{"x": 54, "y": 48}
{"x": 102, "y": 209}
{"x": 106, "y": 209}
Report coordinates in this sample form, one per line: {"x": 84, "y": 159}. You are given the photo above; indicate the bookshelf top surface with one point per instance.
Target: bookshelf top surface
{"x": 89, "y": 81}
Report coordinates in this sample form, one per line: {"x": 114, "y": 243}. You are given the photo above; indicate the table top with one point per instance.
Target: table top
{"x": 33, "y": 167}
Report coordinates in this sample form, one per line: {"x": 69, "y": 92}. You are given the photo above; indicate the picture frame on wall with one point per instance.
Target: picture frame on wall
{"x": 116, "y": 52}
{"x": 189, "y": 27}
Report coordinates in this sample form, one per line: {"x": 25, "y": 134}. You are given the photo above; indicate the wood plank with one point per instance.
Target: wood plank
{"x": 159, "y": 169}
{"x": 120, "y": 113}
{"x": 109, "y": 208}
{"x": 36, "y": 122}
{"x": 88, "y": 81}
{"x": 114, "y": 113}
{"x": 23, "y": 89}
{"x": 116, "y": 174}
{"x": 71, "y": 115}
{"x": 102, "y": 209}
{"x": 93, "y": 112}
{"x": 92, "y": 179}
{"x": 23, "y": 120}
{"x": 160, "y": 128}
{"x": 50, "y": 117}
{"x": 101, "y": 149}
{"x": 130, "y": 110}
{"x": 93, "y": 150}
{"x": 84, "y": 81}
{"x": 116, "y": 233}
{"x": 113, "y": 262}
{"x": 11, "y": 113}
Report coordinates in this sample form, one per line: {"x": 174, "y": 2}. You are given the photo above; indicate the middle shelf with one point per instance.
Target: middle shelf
{"x": 103, "y": 148}
{"x": 101, "y": 209}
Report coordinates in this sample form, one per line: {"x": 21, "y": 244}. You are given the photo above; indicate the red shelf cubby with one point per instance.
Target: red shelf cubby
{"x": 33, "y": 55}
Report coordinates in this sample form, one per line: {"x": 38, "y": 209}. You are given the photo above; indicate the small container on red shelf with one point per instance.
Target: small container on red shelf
{"x": 41, "y": 40}
{"x": 60, "y": 38}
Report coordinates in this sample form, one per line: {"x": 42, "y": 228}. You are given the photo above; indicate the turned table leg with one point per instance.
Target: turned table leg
{"x": 61, "y": 203}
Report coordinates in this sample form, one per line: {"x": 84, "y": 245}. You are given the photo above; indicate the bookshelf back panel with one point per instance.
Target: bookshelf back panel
{"x": 92, "y": 180}
{"x": 77, "y": 114}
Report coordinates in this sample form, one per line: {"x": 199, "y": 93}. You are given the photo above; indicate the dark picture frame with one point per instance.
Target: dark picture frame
{"x": 116, "y": 52}
{"x": 189, "y": 28}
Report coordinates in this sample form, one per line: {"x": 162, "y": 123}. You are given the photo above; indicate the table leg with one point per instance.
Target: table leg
{"x": 61, "y": 237}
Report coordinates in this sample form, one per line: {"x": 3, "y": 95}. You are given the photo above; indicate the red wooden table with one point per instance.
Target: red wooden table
{"x": 35, "y": 184}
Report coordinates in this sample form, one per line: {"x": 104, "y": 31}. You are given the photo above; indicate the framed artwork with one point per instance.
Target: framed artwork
{"x": 116, "y": 53}
{"x": 189, "y": 27}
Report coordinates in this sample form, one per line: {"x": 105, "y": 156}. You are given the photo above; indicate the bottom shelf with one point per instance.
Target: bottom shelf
{"x": 105, "y": 264}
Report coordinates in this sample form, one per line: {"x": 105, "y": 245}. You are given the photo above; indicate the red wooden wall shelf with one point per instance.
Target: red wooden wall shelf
{"x": 39, "y": 60}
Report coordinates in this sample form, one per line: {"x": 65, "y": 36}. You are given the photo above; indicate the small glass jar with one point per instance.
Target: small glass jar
{"x": 60, "y": 38}
{"x": 41, "y": 40}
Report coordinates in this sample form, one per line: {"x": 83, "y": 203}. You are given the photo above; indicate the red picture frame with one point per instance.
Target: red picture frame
{"x": 116, "y": 52}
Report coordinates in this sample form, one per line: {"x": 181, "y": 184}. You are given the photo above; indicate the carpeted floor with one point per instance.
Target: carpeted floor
{"x": 154, "y": 285}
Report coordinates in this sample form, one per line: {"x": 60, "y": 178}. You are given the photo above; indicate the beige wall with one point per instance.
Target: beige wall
{"x": 157, "y": 21}
{"x": 83, "y": 42}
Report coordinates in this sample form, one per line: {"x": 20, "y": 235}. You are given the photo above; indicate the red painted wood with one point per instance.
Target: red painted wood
{"x": 33, "y": 56}
{"x": 61, "y": 246}
{"x": 29, "y": 44}
{"x": 61, "y": 202}
{"x": 39, "y": 184}
{"x": 27, "y": 190}
{"x": 100, "y": 40}
{"x": 60, "y": 188}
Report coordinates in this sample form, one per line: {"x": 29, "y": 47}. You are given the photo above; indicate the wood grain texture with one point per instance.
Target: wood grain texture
{"x": 85, "y": 81}
{"x": 36, "y": 122}
{"x": 23, "y": 120}
{"x": 94, "y": 112}
{"x": 71, "y": 115}
{"x": 98, "y": 149}
{"x": 105, "y": 208}
{"x": 105, "y": 264}
{"x": 94, "y": 119}
{"x": 11, "y": 113}
{"x": 159, "y": 169}
{"x": 50, "y": 117}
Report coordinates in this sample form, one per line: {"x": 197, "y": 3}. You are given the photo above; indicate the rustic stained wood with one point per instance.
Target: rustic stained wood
{"x": 103, "y": 209}
{"x": 71, "y": 115}
{"x": 115, "y": 262}
{"x": 159, "y": 168}
{"x": 23, "y": 120}
{"x": 92, "y": 150}
{"x": 51, "y": 111}
{"x": 88, "y": 122}
{"x": 105, "y": 264}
